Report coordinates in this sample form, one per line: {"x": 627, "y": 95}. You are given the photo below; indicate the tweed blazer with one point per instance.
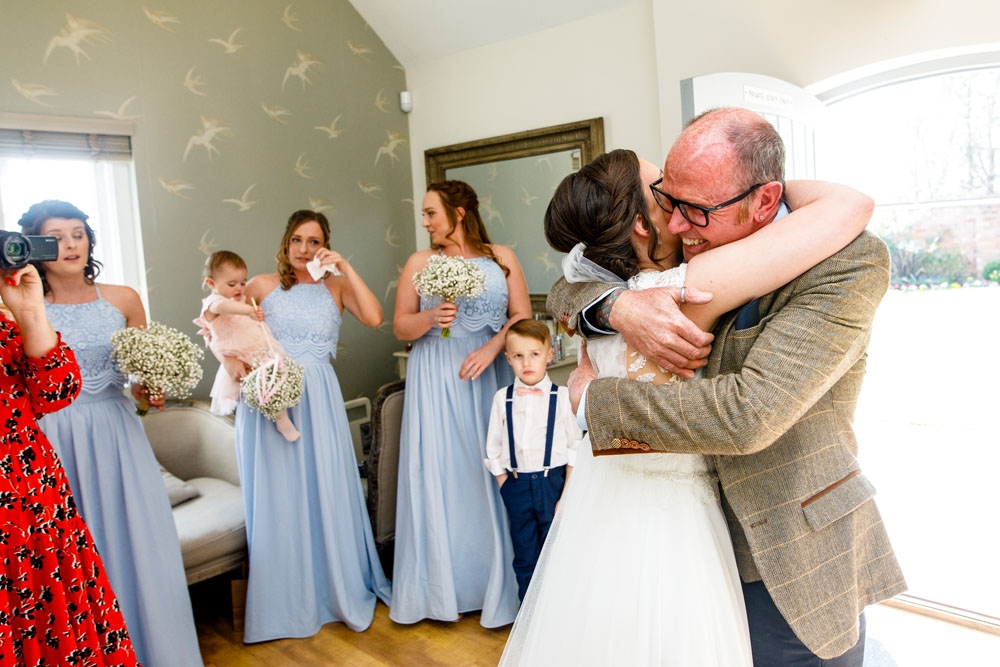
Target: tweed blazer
{"x": 774, "y": 408}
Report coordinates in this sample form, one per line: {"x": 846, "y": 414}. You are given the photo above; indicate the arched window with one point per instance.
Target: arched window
{"x": 924, "y": 141}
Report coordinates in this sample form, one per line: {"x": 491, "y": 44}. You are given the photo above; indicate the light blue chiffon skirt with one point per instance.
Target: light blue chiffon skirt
{"x": 312, "y": 555}
{"x": 119, "y": 490}
{"x": 453, "y": 551}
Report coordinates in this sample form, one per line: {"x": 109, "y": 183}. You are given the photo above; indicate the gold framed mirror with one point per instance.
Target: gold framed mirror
{"x": 514, "y": 176}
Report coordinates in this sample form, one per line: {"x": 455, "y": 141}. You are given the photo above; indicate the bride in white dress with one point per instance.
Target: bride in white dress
{"x": 638, "y": 568}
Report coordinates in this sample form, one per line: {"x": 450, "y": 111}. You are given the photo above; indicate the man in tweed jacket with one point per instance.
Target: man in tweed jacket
{"x": 774, "y": 407}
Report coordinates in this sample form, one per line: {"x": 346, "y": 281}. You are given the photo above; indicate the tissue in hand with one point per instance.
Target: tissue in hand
{"x": 318, "y": 272}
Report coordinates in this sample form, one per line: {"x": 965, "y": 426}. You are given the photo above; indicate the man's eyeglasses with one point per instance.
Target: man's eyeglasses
{"x": 693, "y": 213}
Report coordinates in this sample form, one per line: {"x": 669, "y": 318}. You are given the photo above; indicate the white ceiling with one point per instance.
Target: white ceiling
{"x": 417, "y": 31}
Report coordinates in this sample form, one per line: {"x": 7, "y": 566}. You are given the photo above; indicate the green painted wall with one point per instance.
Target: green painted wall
{"x": 292, "y": 68}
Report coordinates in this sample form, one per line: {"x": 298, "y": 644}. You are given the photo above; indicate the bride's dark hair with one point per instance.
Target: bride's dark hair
{"x": 597, "y": 206}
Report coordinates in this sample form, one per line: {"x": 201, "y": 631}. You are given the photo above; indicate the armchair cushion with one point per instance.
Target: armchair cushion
{"x": 178, "y": 491}
{"x": 211, "y": 528}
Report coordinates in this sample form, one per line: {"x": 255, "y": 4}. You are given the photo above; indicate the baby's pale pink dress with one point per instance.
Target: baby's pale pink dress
{"x": 232, "y": 336}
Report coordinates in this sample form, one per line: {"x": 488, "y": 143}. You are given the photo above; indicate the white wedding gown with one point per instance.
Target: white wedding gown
{"x": 638, "y": 568}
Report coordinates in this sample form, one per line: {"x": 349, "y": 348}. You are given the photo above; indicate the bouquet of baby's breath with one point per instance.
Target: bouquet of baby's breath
{"x": 449, "y": 278}
{"x": 273, "y": 386}
{"x": 160, "y": 357}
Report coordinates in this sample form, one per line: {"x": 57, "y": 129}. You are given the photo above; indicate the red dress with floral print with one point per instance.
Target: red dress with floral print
{"x": 56, "y": 605}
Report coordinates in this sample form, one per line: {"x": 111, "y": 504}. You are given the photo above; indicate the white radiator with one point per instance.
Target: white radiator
{"x": 359, "y": 411}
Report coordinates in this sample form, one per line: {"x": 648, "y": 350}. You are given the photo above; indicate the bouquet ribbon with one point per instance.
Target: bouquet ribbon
{"x": 269, "y": 383}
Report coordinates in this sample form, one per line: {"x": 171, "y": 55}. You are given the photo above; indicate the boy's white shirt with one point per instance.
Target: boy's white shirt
{"x": 530, "y": 416}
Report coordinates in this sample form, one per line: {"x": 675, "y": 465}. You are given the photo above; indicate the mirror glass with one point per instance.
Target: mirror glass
{"x": 513, "y": 195}
{"x": 515, "y": 176}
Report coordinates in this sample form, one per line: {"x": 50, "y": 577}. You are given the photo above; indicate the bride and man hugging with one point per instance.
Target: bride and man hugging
{"x": 736, "y": 526}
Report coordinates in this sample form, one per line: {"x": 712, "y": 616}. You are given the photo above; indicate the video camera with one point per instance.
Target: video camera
{"x": 16, "y": 249}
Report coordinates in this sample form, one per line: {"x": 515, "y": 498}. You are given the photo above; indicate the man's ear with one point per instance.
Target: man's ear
{"x": 770, "y": 199}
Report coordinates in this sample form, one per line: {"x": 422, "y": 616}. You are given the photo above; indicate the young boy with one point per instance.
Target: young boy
{"x": 531, "y": 445}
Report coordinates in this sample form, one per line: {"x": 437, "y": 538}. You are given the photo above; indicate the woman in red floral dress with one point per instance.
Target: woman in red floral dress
{"x": 56, "y": 605}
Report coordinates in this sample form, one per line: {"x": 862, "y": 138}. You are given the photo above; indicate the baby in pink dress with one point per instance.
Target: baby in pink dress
{"x": 234, "y": 328}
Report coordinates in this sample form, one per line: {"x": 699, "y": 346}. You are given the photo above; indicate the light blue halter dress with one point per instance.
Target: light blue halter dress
{"x": 312, "y": 555}
{"x": 453, "y": 550}
{"x": 118, "y": 487}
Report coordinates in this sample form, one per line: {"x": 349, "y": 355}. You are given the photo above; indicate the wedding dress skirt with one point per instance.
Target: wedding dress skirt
{"x": 638, "y": 568}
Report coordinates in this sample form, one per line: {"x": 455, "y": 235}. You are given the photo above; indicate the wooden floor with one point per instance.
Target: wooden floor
{"x": 429, "y": 643}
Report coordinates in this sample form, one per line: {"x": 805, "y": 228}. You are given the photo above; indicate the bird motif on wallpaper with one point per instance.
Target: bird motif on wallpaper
{"x": 302, "y": 166}
{"x": 488, "y": 210}
{"x": 360, "y": 50}
{"x": 392, "y": 142}
{"x": 77, "y": 34}
{"x": 160, "y": 18}
{"x": 276, "y": 113}
{"x": 193, "y": 82}
{"x": 528, "y": 199}
{"x": 230, "y": 44}
{"x": 333, "y": 131}
{"x": 394, "y": 283}
{"x": 491, "y": 172}
{"x": 320, "y": 205}
{"x": 176, "y": 187}
{"x": 243, "y": 204}
{"x": 546, "y": 261}
{"x": 211, "y": 130}
{"x": 120, "y": 114}
{"x": 291, "y": 19}
{"x": 33, "y": 91}
{"x": 207, "y": 244}
{"x": 304, "y": 61}
{"x": 545, "y": 160}
{"x": 408, "y": 200}
{"x": 382, "y": 102}
{"x": 369, "y": 189}
{"x": 391, "y": 237}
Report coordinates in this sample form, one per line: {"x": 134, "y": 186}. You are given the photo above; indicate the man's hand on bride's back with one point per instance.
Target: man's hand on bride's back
{"x": 652, "y": 323}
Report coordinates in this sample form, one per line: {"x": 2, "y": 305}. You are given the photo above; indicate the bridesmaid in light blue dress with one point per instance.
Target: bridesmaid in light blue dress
{"x": 312, "y": 555}
{"x": 111, "y": 469}
{"x": 453, "y": 552}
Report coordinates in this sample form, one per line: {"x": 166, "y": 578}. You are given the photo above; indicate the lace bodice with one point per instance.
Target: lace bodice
{"x": 488, "y": 310}
{"x": 609, "y": 352}
{"x": 305, "y": 320}
{"x": 87, "y": 329}
{"x": 611, "y": 357}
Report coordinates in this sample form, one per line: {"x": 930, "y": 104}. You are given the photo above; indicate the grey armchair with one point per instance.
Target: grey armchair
{"x": 199, "y": 448}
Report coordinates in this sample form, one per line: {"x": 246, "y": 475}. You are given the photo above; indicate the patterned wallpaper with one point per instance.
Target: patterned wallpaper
{"x": 244, "y": 112}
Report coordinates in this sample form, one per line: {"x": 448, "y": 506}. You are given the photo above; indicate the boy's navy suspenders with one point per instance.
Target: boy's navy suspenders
{"x": 549, "y": 428}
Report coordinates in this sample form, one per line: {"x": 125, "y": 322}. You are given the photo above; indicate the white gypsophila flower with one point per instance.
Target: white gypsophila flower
{"x": 273, "y": 386}
{"x": 450, "y": 278}
{"x": 160, "y": 357}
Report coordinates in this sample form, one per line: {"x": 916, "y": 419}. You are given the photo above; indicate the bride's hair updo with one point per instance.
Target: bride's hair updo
{"x": 598, "y": 206}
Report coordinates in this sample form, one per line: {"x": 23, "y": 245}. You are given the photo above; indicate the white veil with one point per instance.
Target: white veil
{"x": 579, "y": 269}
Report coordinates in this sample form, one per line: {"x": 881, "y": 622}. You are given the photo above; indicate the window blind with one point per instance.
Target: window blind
{"x": 51, "y": 144}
